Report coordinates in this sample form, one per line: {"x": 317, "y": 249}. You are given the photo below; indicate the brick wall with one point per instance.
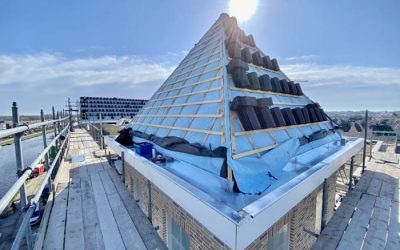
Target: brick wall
{"x": 331, "y": 196}
{"x": 300, "y": 217}
{"x": 261, "y": 242}
{"x": 200, "y": 237}
{"x": 303, "y": 216}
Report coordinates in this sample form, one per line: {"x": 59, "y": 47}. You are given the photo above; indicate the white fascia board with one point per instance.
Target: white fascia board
{"x": 218, "y": 224}
{"x": 266, "y": 211}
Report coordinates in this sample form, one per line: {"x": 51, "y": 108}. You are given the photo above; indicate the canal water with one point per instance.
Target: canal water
{"x": 31, "y": 148}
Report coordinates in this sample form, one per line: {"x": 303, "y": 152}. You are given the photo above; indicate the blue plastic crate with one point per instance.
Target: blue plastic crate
{"x": 144, "y": 149}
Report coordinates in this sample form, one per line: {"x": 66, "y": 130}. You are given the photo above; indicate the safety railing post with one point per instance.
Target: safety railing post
{"x": 61, "y": 122}
{"x": 351, "y": 174}
{"x": 101, "y": 132}
{"x": 46, "y": 156}
{"x": 58, "y": 126}
{"x": 28, "y": 236}
{"x": 71, "y": 129}
{"x": 18, "y": 154}
{"x": 54, "y": 125}
{"x": 63, "y": 116}
{"x": 96, "y": 132}
{"x": 365, "y": 139}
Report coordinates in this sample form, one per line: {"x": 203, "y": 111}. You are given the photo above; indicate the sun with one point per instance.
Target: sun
{"x": 242, "y": 9}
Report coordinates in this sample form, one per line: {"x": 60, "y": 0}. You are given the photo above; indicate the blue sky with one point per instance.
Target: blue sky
{"x": 348, "y": 51}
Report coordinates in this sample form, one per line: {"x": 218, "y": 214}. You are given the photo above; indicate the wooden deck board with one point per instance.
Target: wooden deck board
{"x": 374, "y": 187}
{"x": 146, "y": 231}
{"x": 355, "y": 231}
{"x": 74, "y": 226}
{"x": 372, "y": 222}
{"x": 111, "y": 234}
{"x": 90, "y": 210}
{"x": 378, "y": 226}
{"x": 129, "y": 233}
{"x": 93, "y": 237}
{"x": 55, "y": 232}
{"x": 393, "y": 239}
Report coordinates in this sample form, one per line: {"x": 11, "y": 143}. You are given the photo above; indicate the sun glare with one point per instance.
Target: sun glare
{"x": 242, "y": 9}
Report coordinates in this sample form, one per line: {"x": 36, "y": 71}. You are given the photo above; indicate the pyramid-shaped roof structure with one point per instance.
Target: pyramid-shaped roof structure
{"x": 241, "y": 116}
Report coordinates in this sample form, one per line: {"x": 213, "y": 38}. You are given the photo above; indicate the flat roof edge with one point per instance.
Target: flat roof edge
{"x": 267, "y": 210}
{"x": 262, "y": 213}
{"x": 212, "y": 219}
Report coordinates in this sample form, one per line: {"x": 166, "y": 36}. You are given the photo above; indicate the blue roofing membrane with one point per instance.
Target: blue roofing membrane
{"x": 193, "y": 103}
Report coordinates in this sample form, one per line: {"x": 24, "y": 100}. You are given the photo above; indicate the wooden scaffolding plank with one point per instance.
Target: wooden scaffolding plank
{"x": 393, "y": 239}
{"x": 74, "y": 227}
{"x": 111, "y": 235}
{"x": 388, "y": 189}
{"x": 364, "y": 182}
{"x": 44, "y": 223}
{"x": 93, "y": 237}
{"x": 378, "y": 225}
{"x": 94, "y": 168}
{"x": 355, "y": 232}
{"x": 55, "y": 231}
{"x": 330, "y": 237}
{"x": 128, "y": 231}
{"x": 352, "y": 198}
{"x": 375, "y": 187}
{"x": 145, "y": 228}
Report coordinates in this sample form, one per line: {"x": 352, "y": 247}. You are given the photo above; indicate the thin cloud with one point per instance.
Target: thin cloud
{"x": 318, "y": 75}
{"x": 299, "y": 58}
{"x": 43, "y": 69}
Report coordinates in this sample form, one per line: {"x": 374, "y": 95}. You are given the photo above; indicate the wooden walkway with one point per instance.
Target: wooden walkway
{"x": 92, "y": 208}
{"x": 368, "y": 217}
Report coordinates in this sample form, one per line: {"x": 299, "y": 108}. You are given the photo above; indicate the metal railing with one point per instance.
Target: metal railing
{"x": 61, "y": 126}
{"x": 96, "y": 132}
